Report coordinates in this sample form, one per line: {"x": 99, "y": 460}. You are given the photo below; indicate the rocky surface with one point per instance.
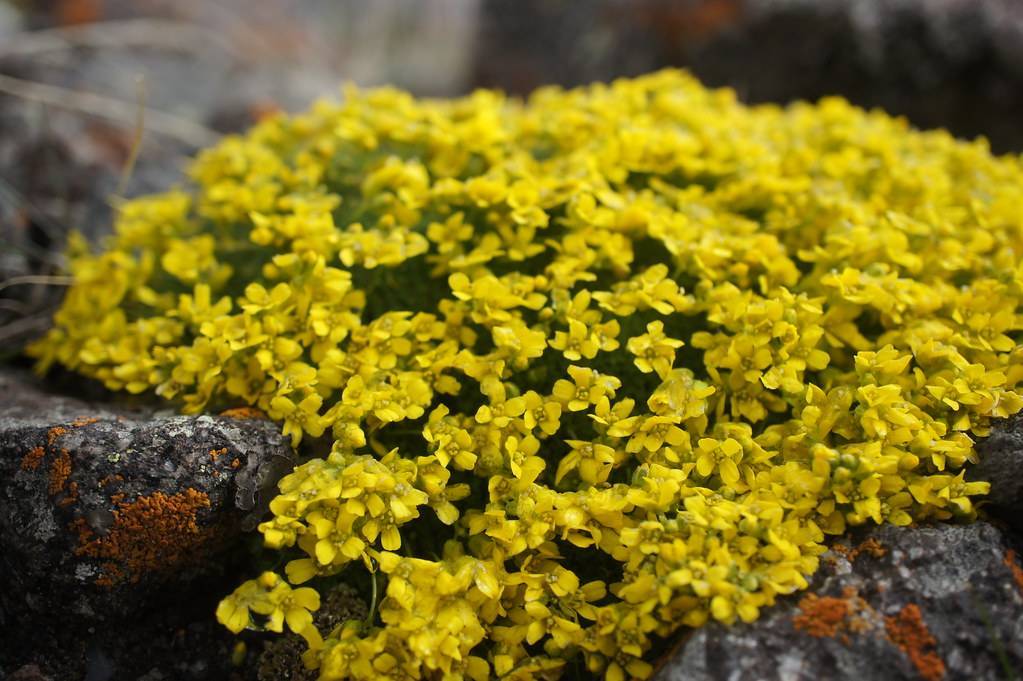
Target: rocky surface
{"x": 942, "y": 63}
{"x": 1001, "y": 463}
{"x": 935, "y": 602}
{"x": 116, "y": 525}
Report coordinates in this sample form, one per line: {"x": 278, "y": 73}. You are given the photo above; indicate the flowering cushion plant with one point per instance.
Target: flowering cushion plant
{"x": 593, "y": 366}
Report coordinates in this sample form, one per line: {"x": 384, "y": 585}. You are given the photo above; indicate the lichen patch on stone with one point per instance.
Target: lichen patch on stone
{"x": 33, "y": 459}
{"x": 60, "y": 471}
{"x": 1013, "y": 565}
{"x": 869, "y": 546}
{"x": 833, "y": 617}
{"x": 909, "y": 632}
{"x": 155, "y": 533}
{"x": 54, "y": 434}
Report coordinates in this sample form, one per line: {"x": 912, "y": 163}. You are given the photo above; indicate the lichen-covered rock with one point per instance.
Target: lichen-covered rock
{"x": 107, "y": 511}
{"x": 931, "y": 602}
{"x": 1001, "y": 464}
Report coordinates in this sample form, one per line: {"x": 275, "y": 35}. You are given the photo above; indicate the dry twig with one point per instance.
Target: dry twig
{"x": 37, "y": 280}
{"x": 136, "y": 140}
{"x": 160, "y": 122}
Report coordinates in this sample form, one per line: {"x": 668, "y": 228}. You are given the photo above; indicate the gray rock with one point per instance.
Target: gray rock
{"x": 1001, "y": 464}
{"x": 932, "y": 602}
{"x": 110, "y": 512}
{"x": 956, "y": 64}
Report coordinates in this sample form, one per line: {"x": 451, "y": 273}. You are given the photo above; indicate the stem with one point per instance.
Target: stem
{"x": 372, "y": 604}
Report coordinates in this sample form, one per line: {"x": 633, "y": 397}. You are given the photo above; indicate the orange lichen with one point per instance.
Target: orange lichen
{"x": 841, "y": 550}
{"x": 870, "y": 546}
{"x": 831, "y": 616}
{"x": 53, "y": 434}
{"x": 236, "y": 463}
{"x": 60, "y": 471}
{"x": 908, "y": 631}
{"x": 873, "y": 547}
{"x": 821, "y": 616}
{"x": 1017, "y": 571}
{"x": 216, "y": 453}
{"x": 152, "y": 534}
{"x": 72, "y": 495}
{"x": 83, "y": 421}
{"x": 243, "y": 413}
{"x": 33, "y": 459}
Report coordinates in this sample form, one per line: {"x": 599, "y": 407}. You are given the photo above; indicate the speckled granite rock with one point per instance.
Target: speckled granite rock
{"x": 110, "y": 513}
{"x": 937, "y": 602}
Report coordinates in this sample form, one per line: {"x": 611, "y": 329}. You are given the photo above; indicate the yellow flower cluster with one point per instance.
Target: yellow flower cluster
{"x": 591, "y": 367}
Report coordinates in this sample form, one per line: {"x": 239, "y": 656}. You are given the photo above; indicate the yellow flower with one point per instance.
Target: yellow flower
{"x": 593, "y": 461}
{"x": 522, "y": 459}
{"x": 541, "y": 413}
{"x": 270, "y": 597}
{"x": 585, "y": 389}
{"x": 189, "y": 259}
{"x": 383, "y": 277}
{"x": 864, "y": 499}
{"x": 719, "y": 457}
{"x": 654, "y": 351}
{"x": 651, "y": 289}
{"x": 301, "y": 417}
{"x": 577, "y": 342}
{"x": 451, "y": 443}
{"x": 234, "y": 612}
{"x": 500, "y": 411}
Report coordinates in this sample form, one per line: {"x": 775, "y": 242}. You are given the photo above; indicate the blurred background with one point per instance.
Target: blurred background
{"x": 101, "y": 99}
